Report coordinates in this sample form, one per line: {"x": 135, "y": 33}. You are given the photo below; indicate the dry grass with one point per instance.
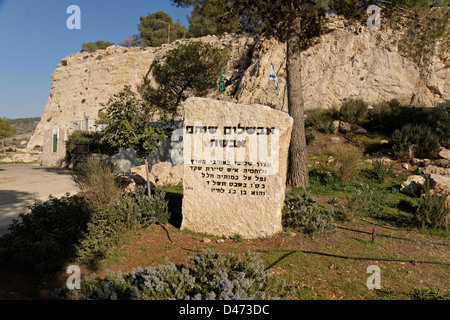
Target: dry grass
{"x": 97, "y": 182}
{"x": 348, "y": 158}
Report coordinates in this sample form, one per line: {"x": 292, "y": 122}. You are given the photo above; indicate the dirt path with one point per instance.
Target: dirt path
{"x": 22, "y": 184}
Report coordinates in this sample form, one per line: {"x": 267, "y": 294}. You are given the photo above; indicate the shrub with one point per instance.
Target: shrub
{"x": 379, "y": 171}
{"x": 321, "y": 120}
{"x": 304, "y": 213}
{"x": 354, "y": 111}
{"x": 426, "y": 142}
{"x": 92, "y": 138}
{"x": 432, "y": 210}
{"x": 364, "y": 202}
{"x": 47, "y": 237}
{"x": 207, "y": 276}
{"x": 129, "y": 212}
{"x": 348, "y": 159}
{"x": 62, "y": 230}
{"x": 96, "y": 181}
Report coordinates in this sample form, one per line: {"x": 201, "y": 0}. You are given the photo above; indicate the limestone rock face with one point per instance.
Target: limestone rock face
{"x": 234, "y": 168}
{"x": 349, "y": 61}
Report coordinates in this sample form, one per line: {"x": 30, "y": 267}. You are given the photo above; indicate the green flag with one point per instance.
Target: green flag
{"x": 222, "y": 83}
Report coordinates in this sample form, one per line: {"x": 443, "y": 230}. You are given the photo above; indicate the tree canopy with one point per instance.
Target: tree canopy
{"x": 129, "y": 124}
{"x": 154, "y": 29}
{"x": 213, "y": 17}
{"x": 6, "y": 129}
{"x": 94, "y": 46}
{"x": 190, "y": 69}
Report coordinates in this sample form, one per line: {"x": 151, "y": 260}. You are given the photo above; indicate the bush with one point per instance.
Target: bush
{"x": 364, "y": 202}
{"x": 348, "y": 158}
{"x": 96, "y": 181}
{"x": 304, "y": 213}
{"x": 422, "y": 137}
{"x": 46, "y": 239}
{"x": 354, "y": 111}
{"x": 62, "y": 230}
{"x": 379, "y": 171}
{"x": 207, "y": 276}
{"x": 128, "y": 212}
{"x": 432, "y": 210}
{"x": 92, "y": 138}
{"x": 391, "y": 116}
{"x": 321, "y": 120}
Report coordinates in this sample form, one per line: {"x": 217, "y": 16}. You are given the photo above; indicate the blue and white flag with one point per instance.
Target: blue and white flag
{"x": 273, "y": 76}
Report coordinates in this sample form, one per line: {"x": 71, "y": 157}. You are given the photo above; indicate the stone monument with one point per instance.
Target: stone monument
{"x": 235, "y": 159}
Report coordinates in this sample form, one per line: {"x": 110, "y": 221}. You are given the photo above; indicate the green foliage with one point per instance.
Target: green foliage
{"x": 59, "y": 231}
{"x": 425, "y": 141}
{"x": 102, "y": 118}
{"x": 154, "y": 29}
{"x": 429, "y": 294}
{"x": 129, "y": 125}
{"x": 190, "y": 69}
{"x": 391, "y": 116}
{"x": 213, "y": 17}
{"x": 92, "y": 138}
{"x": 46, "y": 239}
{"x": 207, "y": 276}
{"x": 379, "y": 171}
{"x": 127, "y": 212}
{"x": 348, "y": 160}
{"x": 6, "y": 128}
{"x": 432, "y": 210}
{"x": 364, "y": 202}
{"x": 321, "y": 120}
{"x": 96, "y": 181}
{"x": 354, "y": 111}
{"x": 94, "y": 46}
{"x": 303, "y": 212}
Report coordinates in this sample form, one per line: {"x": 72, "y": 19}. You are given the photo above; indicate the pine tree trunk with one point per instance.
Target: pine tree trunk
{"x": 297, "y": 175}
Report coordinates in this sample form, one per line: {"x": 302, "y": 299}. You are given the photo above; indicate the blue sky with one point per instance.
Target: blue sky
{"x": 34, "y": 38}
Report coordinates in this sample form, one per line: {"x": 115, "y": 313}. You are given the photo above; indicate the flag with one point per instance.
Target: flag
{"x": 273, "y": 76}
{"x": 222, "y": 83}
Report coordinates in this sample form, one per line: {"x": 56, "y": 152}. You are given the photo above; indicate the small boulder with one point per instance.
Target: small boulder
{"x": 161, "y": 171}
{"x": 345, "y": 127}
{"x": 413, "y": 185}
{"x": 444, "y": 153}
{"x": 124, "y": 161}
{"x": 6, "y": 160}
{"x": 130, "y": 182}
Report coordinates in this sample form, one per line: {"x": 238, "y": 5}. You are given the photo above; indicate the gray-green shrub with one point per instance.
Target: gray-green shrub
{"x": 208, "y": 276}
{"x": 303, "y": 212}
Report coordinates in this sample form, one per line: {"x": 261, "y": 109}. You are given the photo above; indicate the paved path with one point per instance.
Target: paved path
{"x": 22, "y": 184}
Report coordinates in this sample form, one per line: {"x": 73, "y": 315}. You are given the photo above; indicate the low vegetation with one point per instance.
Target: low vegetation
{"x": 208, "y": 276}
{"x": 346, "y": 188}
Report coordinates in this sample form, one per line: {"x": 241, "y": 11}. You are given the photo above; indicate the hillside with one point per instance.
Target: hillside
{"x": 25, "y": 128}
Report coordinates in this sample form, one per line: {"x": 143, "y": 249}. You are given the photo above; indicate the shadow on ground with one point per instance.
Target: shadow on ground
{"x": 175, "y": 202}
{"x": 54, "y": 170}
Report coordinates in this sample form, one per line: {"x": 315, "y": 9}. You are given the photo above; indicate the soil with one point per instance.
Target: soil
{"x": 317, "y": 276}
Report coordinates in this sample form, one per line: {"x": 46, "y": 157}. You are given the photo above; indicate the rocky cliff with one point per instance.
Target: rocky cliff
{"x": 347, "y": 62}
